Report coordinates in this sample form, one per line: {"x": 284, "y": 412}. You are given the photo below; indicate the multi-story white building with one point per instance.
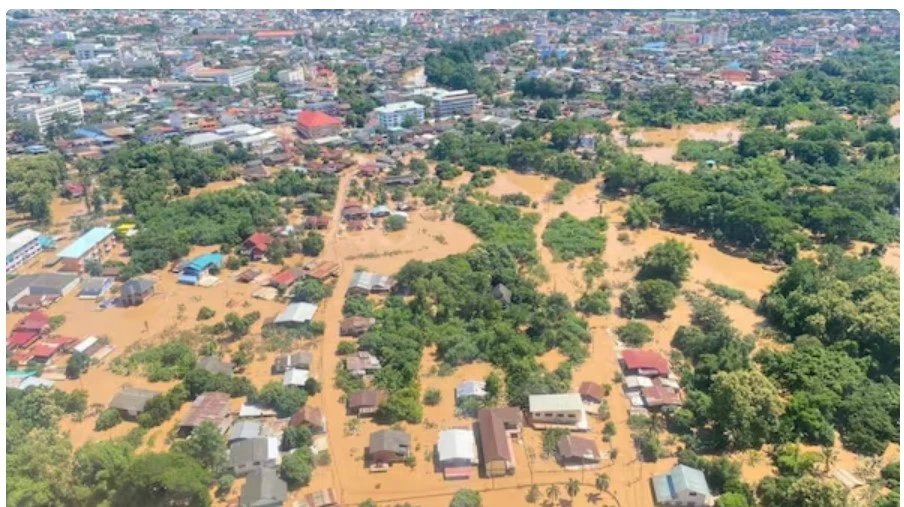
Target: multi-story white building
{"x": 203, "y": 142}
{"x": 93, "y": 51}
{"x": 454, "y": 102}
{"x": 716, "y": 35}
{"x": 394, "y": 115}
{"x": 20, "y": 248}
{"x": 232, "y": 78}
{"x": 290, "y": 76}
{"x": 186, "y": 122}
{"x": 63, "y": 36}
{"x": 42, "y": 114}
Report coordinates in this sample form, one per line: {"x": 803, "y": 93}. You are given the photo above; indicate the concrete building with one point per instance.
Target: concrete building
{"x": 395, "y": 114}
{"x": 203, "y": 142}
{"x": 21, "y": 247}
{"x": 232, "y": 78}
{"x": 316, "y": 124}
{"x": 186, "y": 122}
{"x": 716, "y": 35}
{"x": 290, "y": 76}
{"x": 94, "y": 244}
{"x": 94, "y": 51}
{"x": 456, "y": 102}
{"x": 558, "y": 409}
{"x": 42, "y": 114}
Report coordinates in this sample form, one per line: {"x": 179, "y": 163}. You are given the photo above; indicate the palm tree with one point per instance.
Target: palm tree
{"x": 602, "y": 482}
{"x": 573, "y": 488}
{"x": 552, "y": 492}
{"x": 534, "y": 494}
{"x": 829, "y": 456}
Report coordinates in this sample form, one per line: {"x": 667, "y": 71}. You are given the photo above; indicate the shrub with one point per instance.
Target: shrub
{"x": 107, "y": 419}
{"x": 594, "y": 303}
{"x": 569, "y": 237}
{"x": 432, "y": 397}
{"x": 635, "y": 334}
{"x": 395, "y": 223}
{"x": 206, "y": 313}
{"x": 346, "y": 347}
{"x": 312, "y": 245}
{"x": 76, "y": 365}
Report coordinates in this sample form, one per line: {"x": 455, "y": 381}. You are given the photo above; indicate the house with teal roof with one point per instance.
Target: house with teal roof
{"x": 683, "y": 486}
{"x": 94, "y": 244}
{"x": 199, "y": 266}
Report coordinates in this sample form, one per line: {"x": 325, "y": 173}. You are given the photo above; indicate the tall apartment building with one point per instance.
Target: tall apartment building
{"x": 394, "y": 115}
{"x": 455, "y": 102}
{"x": 42, "y": 114}
{"x": 20, "y": 248}
{"x": 716, "y": 35}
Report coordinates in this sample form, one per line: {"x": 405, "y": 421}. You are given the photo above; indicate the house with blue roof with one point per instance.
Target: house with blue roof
{"x": 199, "y": 266}
{"x": 684, "y": 486}
{"x": 94, "y": 244}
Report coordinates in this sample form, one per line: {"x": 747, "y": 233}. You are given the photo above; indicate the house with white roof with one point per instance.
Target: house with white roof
{"x": 296, "y": 314}
{"x": 558, "y": 410}
{"x": 457, "y": 453}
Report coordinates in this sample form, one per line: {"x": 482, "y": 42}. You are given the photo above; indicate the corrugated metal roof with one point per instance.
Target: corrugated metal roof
{"x": 86, "y": 242}
{"x": 296, "y": 312}
{"x": 556, "y": 402}
{"x": 456, "y": 444}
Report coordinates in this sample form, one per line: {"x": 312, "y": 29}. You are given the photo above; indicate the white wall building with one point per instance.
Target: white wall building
{"x": 454, "y": 102}
{"x": 394, "y": 115}
{"x": 42, "y": 114}
{"x": 20, "y": 248}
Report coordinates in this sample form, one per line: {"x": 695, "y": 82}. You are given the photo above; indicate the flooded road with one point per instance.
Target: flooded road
{"x": 664, "y": 142}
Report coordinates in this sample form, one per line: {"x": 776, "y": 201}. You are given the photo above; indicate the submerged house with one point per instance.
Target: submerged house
{"x": 136, "y": 291}
{"x": 200, "y": 266}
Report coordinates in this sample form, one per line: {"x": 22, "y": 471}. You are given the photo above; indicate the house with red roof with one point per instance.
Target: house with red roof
{"x": 36, "y": 321}
{"x": 316, "y": 124}
{"x": 285, "y": 278}
{"x": 644, "y": 363}
{"x": 43, "y": 352}
{"x": 256, "y": 245}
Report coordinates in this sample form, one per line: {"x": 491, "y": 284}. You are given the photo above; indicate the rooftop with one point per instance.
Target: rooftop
{"x": 86, "y": 242}
{"x": 20, "y": 239}
{"x": 556, "y": 402}
{"x": 397, "y": 107}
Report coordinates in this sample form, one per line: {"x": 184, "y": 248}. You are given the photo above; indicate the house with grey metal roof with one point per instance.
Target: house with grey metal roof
{"x": 245, "y": 430}
{"x": 388, "y": 446}
{"x": 365, "y": 282}
{"x": 263, "y": 488}
{"x": 684, "y": 486}
{"x": 131, "y": 401}
{"x": 299, "y": 360}
{"x": 296, "y": 377}
{"x": 95, "y": 287}
{"x": 296, "y": 314}
{"x": 469, "y": 389}
{"x": 248, "y": 455}
{"x": 41, "y": 284}
{"x": 214, "y": 365}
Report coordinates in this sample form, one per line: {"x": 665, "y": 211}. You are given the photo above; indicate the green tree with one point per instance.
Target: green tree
{"x": 285, "y": 400}
{"x": 602, "y": 482}
{"x": 156, "y": 479}
{"x": 76, "y": 365}
{"x": 433, "y": 397}
{"x": 732, "y": 500}
{"x": 669, "y": 260}
{"x": 312, "y": 245}
{"x": 549, "y": 109}
{"x": 553, "y": 492}
{"x": 295, "y": 437}
{"x": 746, "y": 408}
{"x": 573, "y": 487}
{"x": 401, "y": 405}
{"x": 208, "y": 446}
{"x": 310, "y": 290}
{"x": 466, "y": 498}
{"x": 297, "y": 468}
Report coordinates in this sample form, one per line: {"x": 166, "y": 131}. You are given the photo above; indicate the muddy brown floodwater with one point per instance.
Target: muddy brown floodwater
{"x": 665, "y": 141}
{"x": 428, "y": 237}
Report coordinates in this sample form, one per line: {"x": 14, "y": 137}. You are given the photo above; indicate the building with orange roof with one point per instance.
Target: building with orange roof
{"x": 315, "y": 124}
